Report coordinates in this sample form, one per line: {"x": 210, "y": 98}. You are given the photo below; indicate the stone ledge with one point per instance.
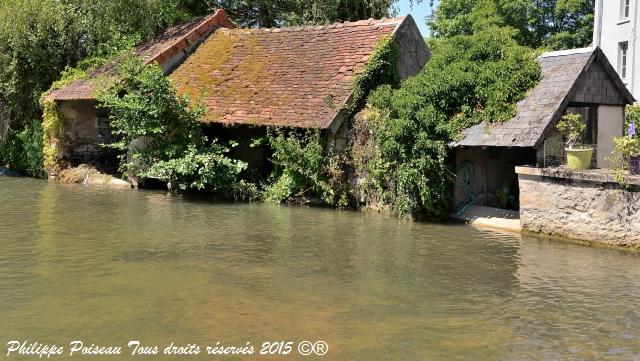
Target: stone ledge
{"x": 592, "y": 175}
{"x": 487, "y": 217}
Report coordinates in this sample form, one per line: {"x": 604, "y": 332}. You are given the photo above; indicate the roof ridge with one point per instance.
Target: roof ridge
{"x": 219, "y": 18}
{"x": 347, "y": 24}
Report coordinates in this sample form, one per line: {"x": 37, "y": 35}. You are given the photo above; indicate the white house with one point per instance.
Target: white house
{"x": 616, "y": 31}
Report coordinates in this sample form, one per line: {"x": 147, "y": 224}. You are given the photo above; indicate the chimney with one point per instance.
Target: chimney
{"x": 597, "y": 26}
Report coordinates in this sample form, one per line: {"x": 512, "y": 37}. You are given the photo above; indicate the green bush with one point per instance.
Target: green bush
{"x": 401, "y": 156}
{"x": 200, "y": 169}
{"x": 22, "y": 150}
{"x": 402, "y": 166}
{"x": 304, "y": 170}
{"x": 145, "y": 108}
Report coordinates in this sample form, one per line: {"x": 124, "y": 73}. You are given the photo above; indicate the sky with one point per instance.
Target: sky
{"x": 418, "y": 11}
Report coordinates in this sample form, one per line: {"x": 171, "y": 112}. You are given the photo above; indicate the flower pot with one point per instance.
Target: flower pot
{"x": 579, "y": 159}
{"x": 634, "y": 165}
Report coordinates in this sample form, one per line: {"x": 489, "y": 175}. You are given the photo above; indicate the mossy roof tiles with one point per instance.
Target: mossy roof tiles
{"x": 293, "y": 77}
{"x": 161, "y": 49}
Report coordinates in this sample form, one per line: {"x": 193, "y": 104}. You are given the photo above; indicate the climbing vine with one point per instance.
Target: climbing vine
{"x": 305, "y": 166}
{"x": 381, "y": 68}
{"x": 53, "y": 120}
{"x": 53, "y": 126}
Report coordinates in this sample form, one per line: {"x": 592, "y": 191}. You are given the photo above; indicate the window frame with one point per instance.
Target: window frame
{"x": 623, "y": 59}
{"x": 625, "y": 9}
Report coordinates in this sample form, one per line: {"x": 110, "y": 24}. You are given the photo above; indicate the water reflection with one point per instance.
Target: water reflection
{"x": 109, "y": 266}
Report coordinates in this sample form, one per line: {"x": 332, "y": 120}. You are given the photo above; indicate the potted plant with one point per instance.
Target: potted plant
{"x": 572, "y": 127}
{"x": 628, "y": 148}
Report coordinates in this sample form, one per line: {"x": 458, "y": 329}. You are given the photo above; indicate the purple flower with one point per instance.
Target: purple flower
{"x": 632, "y": 129}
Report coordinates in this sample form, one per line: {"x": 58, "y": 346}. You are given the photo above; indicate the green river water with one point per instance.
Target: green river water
{"x": 107, "y": 266}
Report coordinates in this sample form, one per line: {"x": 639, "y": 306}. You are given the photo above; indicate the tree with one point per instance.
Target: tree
{"x": 273, "y": 13}
{"x": 40, "y": 38}
{"x": 556, "y": 24}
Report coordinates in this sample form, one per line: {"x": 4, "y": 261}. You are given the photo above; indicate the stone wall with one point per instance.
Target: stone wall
{"x": 586, "y": 206}
{"x": 82, "y": 134}
{"x": 414, "y": 53}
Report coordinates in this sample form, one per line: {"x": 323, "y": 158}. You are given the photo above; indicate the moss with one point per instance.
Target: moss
{"x": 206, "y": 68}
{"x": 231, "y": 64}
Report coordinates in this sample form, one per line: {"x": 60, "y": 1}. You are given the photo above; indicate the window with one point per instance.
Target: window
{"x": 622, "y": 59}
{"x": 624, "y": 9}
{"x": 103, "y": 124}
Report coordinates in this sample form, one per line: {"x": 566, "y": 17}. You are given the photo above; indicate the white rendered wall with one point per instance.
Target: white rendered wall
{"x": 610, "y": 125}
{"x": 611, "y": 29}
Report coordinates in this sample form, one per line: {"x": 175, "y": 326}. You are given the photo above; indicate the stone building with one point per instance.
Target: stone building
{"x": 252, "y": 79}
{"x": 575, "y": 81}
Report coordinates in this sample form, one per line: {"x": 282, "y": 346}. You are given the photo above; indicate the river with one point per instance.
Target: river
{"x": 109, "y": 266}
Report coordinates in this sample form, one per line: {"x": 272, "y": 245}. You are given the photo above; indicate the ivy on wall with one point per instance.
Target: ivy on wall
{"x": 53, "y": 121}
{"x": 381, "y": 68}
{"x": 401, "y": 142}
{"x": 53, "y": 126}
{"x": 306, "y": 166}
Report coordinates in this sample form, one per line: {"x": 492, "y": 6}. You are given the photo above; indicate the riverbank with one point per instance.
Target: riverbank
{"x": 478, "y": 217}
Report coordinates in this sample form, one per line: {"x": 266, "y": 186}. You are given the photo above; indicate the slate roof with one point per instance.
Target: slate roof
{"x": 161, "y": 49}
{"x": 562, "y": 74}
{"x": 294, "y": 77}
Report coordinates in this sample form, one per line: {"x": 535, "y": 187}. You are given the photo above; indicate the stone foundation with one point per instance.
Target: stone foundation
{"x": 588, "y": 205}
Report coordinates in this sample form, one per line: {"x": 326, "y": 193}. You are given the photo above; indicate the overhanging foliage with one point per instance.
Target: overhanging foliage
{"x": 402, "y": 151}
{"x": 159, "y": 133}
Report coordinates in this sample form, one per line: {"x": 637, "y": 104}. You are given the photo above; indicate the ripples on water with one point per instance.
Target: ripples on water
{"x": 108, "y": 266}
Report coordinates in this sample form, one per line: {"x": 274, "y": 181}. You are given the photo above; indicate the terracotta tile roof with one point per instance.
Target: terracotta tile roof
{"x": 297, "y": 77}
{"x": 563, "y": 73}
{"x": 161, "y": 49}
